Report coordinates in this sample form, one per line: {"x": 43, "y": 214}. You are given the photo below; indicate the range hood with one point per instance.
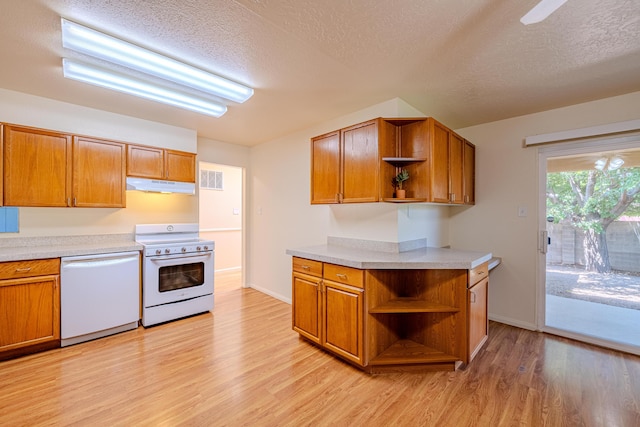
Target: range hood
{"x": 160, "y": 186}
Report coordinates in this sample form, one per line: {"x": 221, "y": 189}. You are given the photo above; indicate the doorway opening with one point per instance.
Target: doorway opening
{"x": 590, "y": 243}
{"x": 221, "y": 219}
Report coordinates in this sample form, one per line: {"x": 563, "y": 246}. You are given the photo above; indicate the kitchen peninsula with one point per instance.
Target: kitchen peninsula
{"x": 391, "y": 307}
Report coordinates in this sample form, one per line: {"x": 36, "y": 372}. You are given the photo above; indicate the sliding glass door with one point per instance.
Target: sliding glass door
{"x": 590, "y": 242}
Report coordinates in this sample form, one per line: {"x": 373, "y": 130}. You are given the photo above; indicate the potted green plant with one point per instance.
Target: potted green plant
{"x": 397, "y": 183}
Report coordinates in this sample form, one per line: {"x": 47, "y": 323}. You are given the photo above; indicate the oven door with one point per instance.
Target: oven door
{"x": 171, "y": 279}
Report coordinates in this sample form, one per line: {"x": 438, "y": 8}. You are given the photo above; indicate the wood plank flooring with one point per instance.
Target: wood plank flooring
{"x": 242, "y": 365}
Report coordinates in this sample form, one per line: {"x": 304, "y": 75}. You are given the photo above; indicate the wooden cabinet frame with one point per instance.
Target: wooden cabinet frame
{"x": 29, "y": 306}
{"x": 392, "y": 320}
{"x": 441, "y": 164}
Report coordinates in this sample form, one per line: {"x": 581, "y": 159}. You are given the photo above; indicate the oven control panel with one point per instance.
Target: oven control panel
{"x": 178, "y": 249}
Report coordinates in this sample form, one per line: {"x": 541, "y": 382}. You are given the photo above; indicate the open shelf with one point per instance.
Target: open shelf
{"x": 402, "y": 161}
{"x": 407, "y": 351}
{"x": 405, "y": 200}
{"x": 412, "y": 305}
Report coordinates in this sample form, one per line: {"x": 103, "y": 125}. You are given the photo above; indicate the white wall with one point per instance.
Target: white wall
{"x": 220, "y": 216}
{"x": 23, "y": 109}
{"x": 280, "y": 215}
{"x": 223, "y": 153}
{"x": 507, "y": 177}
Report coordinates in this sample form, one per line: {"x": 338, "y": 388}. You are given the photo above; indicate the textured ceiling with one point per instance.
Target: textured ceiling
{"x": 463, "y": 62}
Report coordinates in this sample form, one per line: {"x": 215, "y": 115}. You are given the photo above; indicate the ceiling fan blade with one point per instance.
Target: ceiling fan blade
{"x": 541, "y": 11}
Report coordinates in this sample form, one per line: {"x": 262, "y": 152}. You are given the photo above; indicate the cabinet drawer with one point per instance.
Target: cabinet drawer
{"x": 307, "y": 266}
{"x": 346, "y": 275}
{"x": 478, "y": 273}
{"x": 17, "y": 269}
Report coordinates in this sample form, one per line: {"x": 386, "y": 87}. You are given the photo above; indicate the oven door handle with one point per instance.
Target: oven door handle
{"x": 179, "y": 260}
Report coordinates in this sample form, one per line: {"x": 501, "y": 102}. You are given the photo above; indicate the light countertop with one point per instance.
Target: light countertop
{"x": 419, "y": 258}
{"x": 28, "y": 248}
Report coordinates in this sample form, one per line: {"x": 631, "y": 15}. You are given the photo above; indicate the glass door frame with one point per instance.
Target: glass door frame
{"x": 582, "y": 146}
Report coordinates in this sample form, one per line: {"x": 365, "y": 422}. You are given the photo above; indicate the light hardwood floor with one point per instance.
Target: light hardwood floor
{"x": 242, "y": 365}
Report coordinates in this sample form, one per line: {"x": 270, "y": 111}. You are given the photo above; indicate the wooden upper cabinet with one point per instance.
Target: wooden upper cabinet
{"x": 469, "y": 193}
{"x": 456, "y": 168}
{"x": 345, "y": 165}
{"x": 357, "y": 164}
{"x": 180, "y": 166}
{"x": 37, "y": 167}
{"x": 1, "y": 163}
{"x": 360, "y": 163}
{"x": 98, "y": 173}
{"x": 158, "y": 163}
{"x": 145, "y": 162}
{"x": 439, "y": 164}
{"x": 325, "y": 168}
{"x": 51, "y": 169}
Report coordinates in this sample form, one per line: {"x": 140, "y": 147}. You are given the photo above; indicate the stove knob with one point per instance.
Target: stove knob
{"x": 206, "y": 248}
{"x": 167, "y": 251}
{"x": 198, "y": 248}
{"x": 158, "y": 251}
{"x": 184, "y": 250}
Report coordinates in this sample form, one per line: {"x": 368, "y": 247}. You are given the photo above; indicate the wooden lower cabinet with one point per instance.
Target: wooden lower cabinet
{"x": 478, "y": 304}
{"x": 328, "y": 307}
{"x": 29, "y": 306}
{"x": 343, "y": 320}
{"x": 392, "y": 320}
{"x": 307, "y": 306}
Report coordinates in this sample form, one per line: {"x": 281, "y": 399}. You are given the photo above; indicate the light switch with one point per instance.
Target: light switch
{"x": 236, "y": 211}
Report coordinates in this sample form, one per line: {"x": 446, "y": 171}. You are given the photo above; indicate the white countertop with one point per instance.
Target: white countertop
{"x": 421, "y": 258}
{"x": 27, "y": 248}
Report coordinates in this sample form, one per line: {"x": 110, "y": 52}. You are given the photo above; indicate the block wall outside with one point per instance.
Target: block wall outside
{"x": 623, "y": 241}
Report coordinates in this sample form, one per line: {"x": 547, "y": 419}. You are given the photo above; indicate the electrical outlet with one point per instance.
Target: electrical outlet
{"x": 522, "y": 211}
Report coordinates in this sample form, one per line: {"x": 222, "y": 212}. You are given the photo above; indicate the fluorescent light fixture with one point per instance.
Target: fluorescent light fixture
{"x": 98, "y": 45}
{"x": 541, "y": 11}
{"x": 133, "y": 86}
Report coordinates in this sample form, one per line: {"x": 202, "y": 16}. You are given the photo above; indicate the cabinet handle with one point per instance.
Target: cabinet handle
{"x": 473, "y": 297}
{"x": 341, "y": 276}
{"x": 74, "y": 202}
{"x": 23, "y": 270}
{"x": 305, "y": 267}
{"x": 68, "y": 201}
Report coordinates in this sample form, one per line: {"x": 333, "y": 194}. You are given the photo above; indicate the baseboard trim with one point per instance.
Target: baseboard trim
{"x": 513, "y": 322}
{"x": 270, "y": 293}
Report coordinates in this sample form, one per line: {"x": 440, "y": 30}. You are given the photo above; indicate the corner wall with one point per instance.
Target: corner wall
{"x": 506, "y": 178}
{"x": 280, "y": 215}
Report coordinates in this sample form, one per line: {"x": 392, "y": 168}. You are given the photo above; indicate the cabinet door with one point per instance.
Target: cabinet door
{"x": 1, "y": 172}
{"x": 469, "y": 173}
{"x": 306, "y": 306}
{"x": 29, "y": 312}
{"x": 325, "y": 168}
{"x": 439, "y": 164}
{"x": 343, "y": 320}
{"x": 180, "y": 166}
{"x": 98, "y": 173}
{"x": 37, "y": 167}
{"x": 456, "y": 168}
{"x": 360, "y": 163}
{"x": 478, "y": 316}
{"x": 145, "y": 162}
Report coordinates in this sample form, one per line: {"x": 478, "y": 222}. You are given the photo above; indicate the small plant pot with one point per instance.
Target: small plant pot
{"x": 401, "y": 194}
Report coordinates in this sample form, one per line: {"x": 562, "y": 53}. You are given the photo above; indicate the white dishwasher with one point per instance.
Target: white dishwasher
{"x": 99, "y": 295}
